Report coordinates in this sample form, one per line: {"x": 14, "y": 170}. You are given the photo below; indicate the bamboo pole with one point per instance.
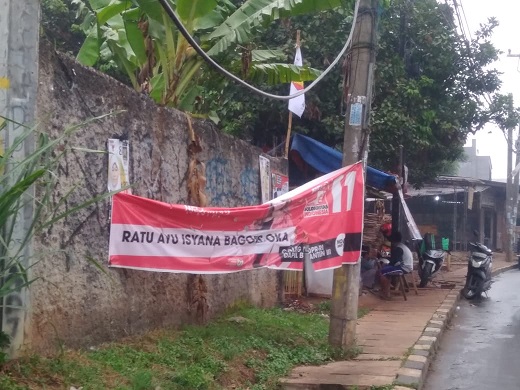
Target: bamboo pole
{"x": 289, "y": 125}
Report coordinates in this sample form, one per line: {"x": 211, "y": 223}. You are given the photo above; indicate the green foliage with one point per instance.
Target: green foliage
{"x": 363, "y": 311}
{"x": 4, "y": 344}
{"x": 281, "y": 73}
{"x": 263, "y": 121}
{"x": 138, "y": 38}
{"x": 58, "y": 25}
{"x": 142, "y": 380}
{"x": 239, "y": 27}
{"x": 253, "y": 352}
{"x": 324, "y": 306}
{"x": 20, "y": 177}
{"x": 431, "y": 89}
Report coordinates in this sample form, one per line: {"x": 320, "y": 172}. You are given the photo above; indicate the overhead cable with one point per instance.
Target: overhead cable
{"x": 466, "y": 20}
{"x": 173, "y": 16}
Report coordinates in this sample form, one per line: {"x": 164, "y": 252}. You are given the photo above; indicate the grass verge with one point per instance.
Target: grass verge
{"x": 248, "y": 348}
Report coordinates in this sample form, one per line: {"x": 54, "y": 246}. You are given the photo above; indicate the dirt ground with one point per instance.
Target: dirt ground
{"x": 367, "y": 301}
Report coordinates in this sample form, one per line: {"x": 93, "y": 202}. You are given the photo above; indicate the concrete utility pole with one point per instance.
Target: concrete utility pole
{"x": 512, "y": 189}
{"x": 516, "y": 183}
{"x": 19, "y": 32}
{"x": 510, "y": 198}
{"x": 345, "y": 289}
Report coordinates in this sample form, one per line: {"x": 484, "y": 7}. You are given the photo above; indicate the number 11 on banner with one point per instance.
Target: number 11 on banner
{"x": 347, "y": 181}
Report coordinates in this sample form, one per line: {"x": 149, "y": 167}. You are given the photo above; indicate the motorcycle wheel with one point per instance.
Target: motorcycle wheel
{"x": 472, "y": 290}
{"x": 426, "y": 273}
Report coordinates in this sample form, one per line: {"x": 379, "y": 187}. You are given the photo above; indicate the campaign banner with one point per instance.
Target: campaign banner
{"x": 279, "y": 184}
{"x": 321, "y": 221}
{"x": 118, "y": 162}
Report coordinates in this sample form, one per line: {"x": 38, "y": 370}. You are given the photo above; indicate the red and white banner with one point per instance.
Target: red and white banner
{"x": 297, "y": 104}
{"x": 321, "y": 220}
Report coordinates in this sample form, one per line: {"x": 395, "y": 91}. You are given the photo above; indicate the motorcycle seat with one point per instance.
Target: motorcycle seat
{"x": 481, "y": 248}
{"x": 434, "y": 254}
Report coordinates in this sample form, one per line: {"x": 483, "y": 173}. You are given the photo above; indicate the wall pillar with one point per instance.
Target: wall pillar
{"x": 19, "y": 29}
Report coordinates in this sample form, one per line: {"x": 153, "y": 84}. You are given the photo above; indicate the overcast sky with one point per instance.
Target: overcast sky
{"x": 506, "y": 37}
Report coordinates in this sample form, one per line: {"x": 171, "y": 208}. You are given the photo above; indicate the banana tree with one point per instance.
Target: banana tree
{"x": 140, "y": 39}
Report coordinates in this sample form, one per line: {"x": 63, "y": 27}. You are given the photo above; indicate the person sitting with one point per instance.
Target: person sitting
{"x": 401, "y": 262}
{"x": 368, "y": 267}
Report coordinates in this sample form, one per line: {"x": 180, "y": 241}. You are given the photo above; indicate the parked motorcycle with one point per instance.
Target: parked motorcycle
{"x": 432, "y": 253}
{"x": 478, "y": 278}
{"x": 430, "y": 263}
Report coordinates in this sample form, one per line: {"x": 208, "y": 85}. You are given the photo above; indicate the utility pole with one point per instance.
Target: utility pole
{"x": 512, "y": 195}
{"x": 396, "y": 200}
{"x": 358, "y": 79}
{"x": 516, "y": 183}
{"x": 512, "y": 187}
{"x": 509, "y": 197}
{"x": 19, "y": 29}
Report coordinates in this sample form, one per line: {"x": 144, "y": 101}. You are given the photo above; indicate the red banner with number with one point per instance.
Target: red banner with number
{"x": 321, "y": 220}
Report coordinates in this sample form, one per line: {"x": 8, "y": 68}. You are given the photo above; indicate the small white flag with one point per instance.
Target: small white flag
{"x": 297, "y": 104}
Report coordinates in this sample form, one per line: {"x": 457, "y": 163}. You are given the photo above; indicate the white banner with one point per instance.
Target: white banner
{"x": 265, "y": 178}
{"x": 297, "y": 104}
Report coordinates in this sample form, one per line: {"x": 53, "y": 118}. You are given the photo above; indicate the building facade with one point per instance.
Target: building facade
{"x": 475, "y": 166}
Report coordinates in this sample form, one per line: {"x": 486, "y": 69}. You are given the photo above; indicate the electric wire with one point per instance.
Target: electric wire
{"x": 171, "y": 13}
{"x": 466, "y": 41}
{"x": 466, "y": 20}
{"x": 459, "y": 19}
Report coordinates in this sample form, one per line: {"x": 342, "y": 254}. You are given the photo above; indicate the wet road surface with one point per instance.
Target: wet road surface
{"x": 481, "y": 350}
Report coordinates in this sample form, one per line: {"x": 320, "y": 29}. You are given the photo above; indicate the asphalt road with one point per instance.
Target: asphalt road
{"x": 481, "y": 350}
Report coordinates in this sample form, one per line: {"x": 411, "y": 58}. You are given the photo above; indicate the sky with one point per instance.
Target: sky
{"x": 490, "y": 140}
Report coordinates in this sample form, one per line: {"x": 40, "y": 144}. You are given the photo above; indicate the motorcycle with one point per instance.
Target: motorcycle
{"x": 431, "y": 252}
{"x": 430, "y": 263}
{"x": 478, "y": 278}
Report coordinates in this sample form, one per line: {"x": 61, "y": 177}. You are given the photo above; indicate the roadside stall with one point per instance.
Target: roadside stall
{"x": 309, "y": 159}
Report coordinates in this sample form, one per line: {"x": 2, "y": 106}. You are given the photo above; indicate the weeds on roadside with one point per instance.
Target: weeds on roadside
{"x": 27, "y": 181}
{"x": 253, "y": 353}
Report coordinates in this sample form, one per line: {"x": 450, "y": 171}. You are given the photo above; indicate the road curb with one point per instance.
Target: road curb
{"x": 508, "y": 267}
{"x": 415, "y": 367}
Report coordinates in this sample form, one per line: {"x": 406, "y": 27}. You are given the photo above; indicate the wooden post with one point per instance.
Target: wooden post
{"x": 289, "y": 125}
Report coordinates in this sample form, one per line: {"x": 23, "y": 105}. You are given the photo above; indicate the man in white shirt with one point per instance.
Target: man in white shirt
{"x": 401, "y": 262}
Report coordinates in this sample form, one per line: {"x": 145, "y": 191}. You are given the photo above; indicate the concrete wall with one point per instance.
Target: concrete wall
{"x": 73, "y": 302}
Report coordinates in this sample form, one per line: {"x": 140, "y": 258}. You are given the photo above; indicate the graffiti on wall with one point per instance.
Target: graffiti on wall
{"x": 219, "y": 185}
{"x": 250, "y": 186}
{"x": 13, "y": 305}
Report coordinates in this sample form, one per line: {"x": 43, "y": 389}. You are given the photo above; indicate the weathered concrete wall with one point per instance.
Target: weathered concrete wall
{"x": 73, "y": 302}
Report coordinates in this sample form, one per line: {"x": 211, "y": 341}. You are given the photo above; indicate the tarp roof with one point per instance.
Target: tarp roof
{"x": 326, "y": 159}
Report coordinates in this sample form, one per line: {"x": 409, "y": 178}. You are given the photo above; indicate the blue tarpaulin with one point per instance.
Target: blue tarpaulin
{"x": 326, "y": 159}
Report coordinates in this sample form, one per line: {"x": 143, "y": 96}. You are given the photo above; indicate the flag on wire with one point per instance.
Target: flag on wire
{"x": 297, "y": 104}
